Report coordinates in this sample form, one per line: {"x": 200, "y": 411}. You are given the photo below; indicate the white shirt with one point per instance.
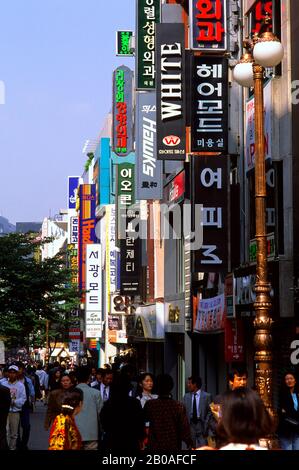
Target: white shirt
{"x": 145, "y": 397}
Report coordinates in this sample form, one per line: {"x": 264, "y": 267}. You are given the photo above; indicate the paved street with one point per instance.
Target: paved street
{"x": 38, "y": 436}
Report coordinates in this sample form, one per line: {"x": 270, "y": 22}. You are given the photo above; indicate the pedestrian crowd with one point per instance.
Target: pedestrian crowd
{"x": 114, "y": 410}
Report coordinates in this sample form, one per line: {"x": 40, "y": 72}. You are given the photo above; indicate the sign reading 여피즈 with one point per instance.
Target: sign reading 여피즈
{"x": 148, "y": 14}
{"x": 209, "y": 104}
{"x": 170, "y": 77}
{"x": 210, "y": 189}
{"x": 123, "y": 43}
{"x": 122, "y": 119}
{"x": 208, "y": 25}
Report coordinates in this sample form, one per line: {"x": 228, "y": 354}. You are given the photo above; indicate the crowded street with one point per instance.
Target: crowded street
{"x": 149, "y": 268}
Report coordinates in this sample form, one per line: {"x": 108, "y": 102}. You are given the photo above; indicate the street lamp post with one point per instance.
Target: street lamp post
{"x": 267, "y": 52}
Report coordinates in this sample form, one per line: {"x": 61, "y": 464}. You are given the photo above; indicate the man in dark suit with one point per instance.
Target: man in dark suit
{"x": 4, "y": 409}
{"x": 198, "y": 410}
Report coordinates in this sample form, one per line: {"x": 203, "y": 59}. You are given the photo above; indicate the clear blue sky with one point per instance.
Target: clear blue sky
{"x": 56, "y": 60}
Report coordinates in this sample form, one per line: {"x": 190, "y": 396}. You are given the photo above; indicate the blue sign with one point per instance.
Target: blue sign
{"x": 72, "y": 194}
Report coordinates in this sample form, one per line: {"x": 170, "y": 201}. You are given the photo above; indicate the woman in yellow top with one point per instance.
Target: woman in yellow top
{"x": 64, "y": 434}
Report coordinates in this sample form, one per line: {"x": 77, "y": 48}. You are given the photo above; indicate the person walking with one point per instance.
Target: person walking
{"x": 168, "y": 423}
{"x": 288, "y": 413}
{"x": 5, "y": 400}
{"x": 55, "y": 400}
{"x": 145, "y": 387}
{"x": 18, "y": 398}
{"x": 199, "y": 414}
{"x": 24, "y": 428}
{"x": 104, "y": 386}
{"x": 121, "y": 412}
{"x": 64, "y": 434}
{"x": 88, "y": 419}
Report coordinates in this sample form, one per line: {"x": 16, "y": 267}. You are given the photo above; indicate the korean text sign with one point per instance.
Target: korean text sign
{"x": 209, "y": 123}
{"x": 208, "y": 26}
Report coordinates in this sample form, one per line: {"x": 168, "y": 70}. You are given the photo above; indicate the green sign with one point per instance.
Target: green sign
{"x": 148, "y": 14}
{"x": 270, "y": 248}
{"x": 125, "y": 191}
{"x": 123, "y": 39}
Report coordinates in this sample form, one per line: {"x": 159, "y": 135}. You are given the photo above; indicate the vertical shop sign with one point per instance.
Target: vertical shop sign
{"x": 129, "y": 220}
{"x": 209, "y": 188}
{"x": 234, "y": 340}
{"x": 123, "y": 43}
{"x": 209, "y": 123}
{"x": 72, "y": 193}
{"x": 93, "y": 304}
{"x": 74, "y": 230}
{"x": 208, "y": 25}
{"x": 249, "y": 128}
{"x": 87, "y": 223}
{"x": 122, "y": 119}
{"x": 148, "y": 169}
{"x": 148, "y": 14}
{"x": 171, "y": 112}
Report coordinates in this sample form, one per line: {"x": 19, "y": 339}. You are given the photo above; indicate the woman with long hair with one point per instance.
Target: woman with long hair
{"x": 64, "y": 434}
{"x": 244, "y": 420}
{"x": 288, "y": 412}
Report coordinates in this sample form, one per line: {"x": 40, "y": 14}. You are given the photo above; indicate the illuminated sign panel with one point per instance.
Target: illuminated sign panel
{"x": 122, "y": 126}
{"x": 123, "y": 39}
{"x": 209, "y": 104}
{"x": 208, "y": 26}
{"x": 87, "y": 223}
{"x": 171, "y": 111}
{"x": 148, "y": 14}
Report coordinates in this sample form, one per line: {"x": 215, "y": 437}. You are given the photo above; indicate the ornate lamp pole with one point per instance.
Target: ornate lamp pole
{"x": 267, "y": 52}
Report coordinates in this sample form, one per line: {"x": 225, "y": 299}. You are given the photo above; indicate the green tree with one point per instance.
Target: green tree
{"x": 33, "y": 291}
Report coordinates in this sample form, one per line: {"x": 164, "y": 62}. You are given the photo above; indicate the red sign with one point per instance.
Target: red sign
{"x": 176, "y": 188}
{"x": 258, "y": 13}
{"x": 74, "y": 333}
{"x": 234, "y": 340}
{"x": 208, "y": 24}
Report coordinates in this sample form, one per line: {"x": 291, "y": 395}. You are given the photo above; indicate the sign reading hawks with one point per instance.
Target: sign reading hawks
{"x": 170, "y": 73}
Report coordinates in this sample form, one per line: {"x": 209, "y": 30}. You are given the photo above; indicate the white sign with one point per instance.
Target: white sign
{"x": 74, "y": 224}
{"x": 210, "y": 314}
{"x": 93, "y": 325}
{"x": 111, "y": 253}
{"x": 249, "y": 128}
{"x": 93, "y": 296}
